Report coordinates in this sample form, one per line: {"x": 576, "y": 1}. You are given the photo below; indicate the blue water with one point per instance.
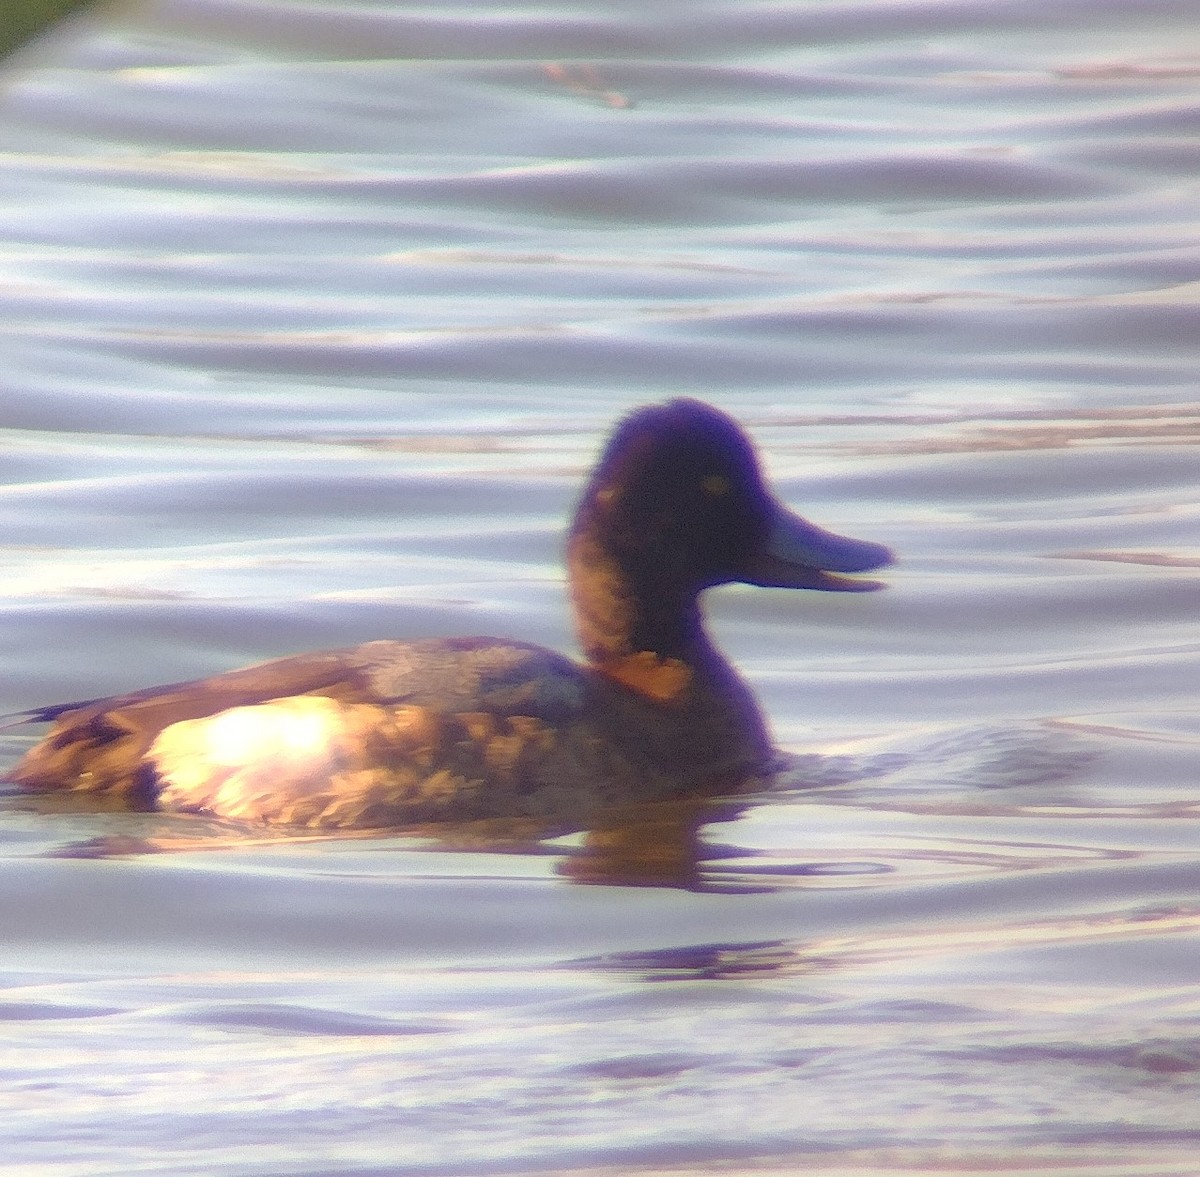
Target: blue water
{"x": 314, "y": 316}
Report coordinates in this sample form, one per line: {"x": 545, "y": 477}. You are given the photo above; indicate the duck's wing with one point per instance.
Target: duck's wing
{"x": 102, "y": 745}
{"x": 471, "y": 674}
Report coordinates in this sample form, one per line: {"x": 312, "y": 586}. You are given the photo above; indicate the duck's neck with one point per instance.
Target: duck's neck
{"x": 648, "y": 636}
{"x": 649, "y": 639}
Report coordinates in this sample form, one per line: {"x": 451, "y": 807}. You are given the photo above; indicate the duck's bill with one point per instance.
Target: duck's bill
{"x": 798, "y": 554}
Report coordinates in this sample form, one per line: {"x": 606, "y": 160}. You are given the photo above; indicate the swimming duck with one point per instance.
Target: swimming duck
{"x": 394, "y": 733}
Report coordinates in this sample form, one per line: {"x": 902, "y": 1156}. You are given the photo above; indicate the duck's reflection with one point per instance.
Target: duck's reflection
{"x": 651, "y": 845}
{"x": 663, "y": 844}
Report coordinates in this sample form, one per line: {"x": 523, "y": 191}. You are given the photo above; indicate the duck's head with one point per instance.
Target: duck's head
{"x": 677, "y": 504}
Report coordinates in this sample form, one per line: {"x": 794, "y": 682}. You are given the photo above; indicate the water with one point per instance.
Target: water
{"x": 315, "y": 315}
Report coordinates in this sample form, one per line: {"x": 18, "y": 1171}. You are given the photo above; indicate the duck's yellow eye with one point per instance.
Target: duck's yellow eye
{"x": 715, "y": 485}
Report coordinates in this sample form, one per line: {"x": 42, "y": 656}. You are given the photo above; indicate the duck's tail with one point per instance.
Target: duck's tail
{"x": 18, "y": 719}
{"x": 40, "y": 714}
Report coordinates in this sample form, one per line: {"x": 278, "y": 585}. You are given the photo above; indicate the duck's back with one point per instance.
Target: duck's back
{"x": 172, "y": 745}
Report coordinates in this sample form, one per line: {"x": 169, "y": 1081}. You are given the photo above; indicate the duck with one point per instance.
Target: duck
{"x": 395, "y": 733}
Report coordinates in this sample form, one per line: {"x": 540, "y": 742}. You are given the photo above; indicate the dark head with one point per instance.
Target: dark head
{"x": 676, "y": 505}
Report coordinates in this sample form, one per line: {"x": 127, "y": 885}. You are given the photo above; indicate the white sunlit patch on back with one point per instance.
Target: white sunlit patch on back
{"x": 290, "y": 729}
{"x": 247, "y": 761}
